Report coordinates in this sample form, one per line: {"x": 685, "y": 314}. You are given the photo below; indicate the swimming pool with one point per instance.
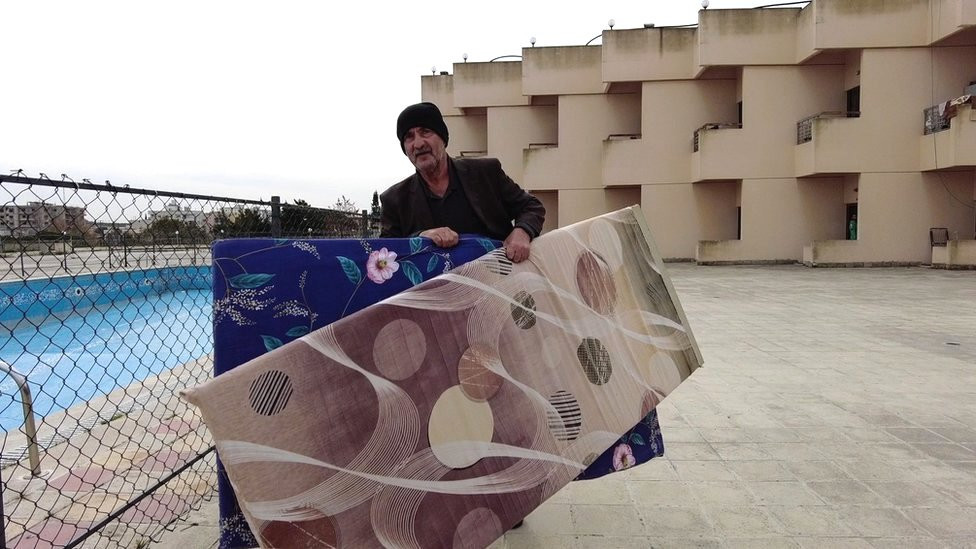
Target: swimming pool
{"x": 79, "y": 338}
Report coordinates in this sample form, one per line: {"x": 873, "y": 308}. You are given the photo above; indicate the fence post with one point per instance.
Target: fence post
{"x": 276, "y": 216}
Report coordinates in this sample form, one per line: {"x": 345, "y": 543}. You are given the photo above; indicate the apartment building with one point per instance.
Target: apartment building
{"x": 837, "y": 132}
{"x": 35, "y": 217}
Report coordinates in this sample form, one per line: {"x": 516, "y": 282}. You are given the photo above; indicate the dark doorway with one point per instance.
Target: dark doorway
{"x": 738, "y": 110}
{"x": 850, "y": 228}
{"x": 738, "y": 223}
{"x": 854, "y": 102}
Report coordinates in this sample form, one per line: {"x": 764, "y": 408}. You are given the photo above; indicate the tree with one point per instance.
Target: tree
{"x": 242, "y": 223}
{"x": 166, "y": 230}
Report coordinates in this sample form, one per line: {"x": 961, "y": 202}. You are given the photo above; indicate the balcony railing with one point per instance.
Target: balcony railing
{"x": 804, "y": 128}
{"x": 623, "y": 136}
{"x": 474, "y": 153}
{"x": 714, "y": 126}
{"x": 935, "y": 119}
{"x": 543, "y": 145}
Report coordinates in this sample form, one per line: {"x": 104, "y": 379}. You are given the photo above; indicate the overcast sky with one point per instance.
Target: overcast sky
{"x": 250, "y": 99}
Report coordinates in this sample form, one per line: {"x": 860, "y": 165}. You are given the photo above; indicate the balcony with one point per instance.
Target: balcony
{"x": 826, "y": 144}
{"x": 718, "y": 152}
{"x": 625, "y": 162}
{"x": 949, "y": 135}
{"x": 542, "y": 167}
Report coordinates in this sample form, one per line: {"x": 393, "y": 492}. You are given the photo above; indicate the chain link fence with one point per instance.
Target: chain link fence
{"x": 106, "y": 312}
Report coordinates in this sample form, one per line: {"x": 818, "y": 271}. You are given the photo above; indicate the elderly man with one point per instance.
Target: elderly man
{"x": 447, "y": 196}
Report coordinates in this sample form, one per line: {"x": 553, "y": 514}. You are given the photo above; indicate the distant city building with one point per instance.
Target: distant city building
{"x": 28, "y": 220}
{"x": 835, "y": 133}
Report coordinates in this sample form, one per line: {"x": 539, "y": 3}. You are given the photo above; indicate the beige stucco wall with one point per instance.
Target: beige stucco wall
{"x": 955, "y": 254}
{"x": 765, "y": 145}
{"x": 633, "y": 55}
{"x": 512, "y": 129}
{"x": 562, "y": 70}
{"x": 871, "y": 23}
{"x": 580, "y": 204}
{"x": 549, "y": 199}
{"x": 896, "y": 210}
{"x": 439, "y": 90}
{"x": 488, "y": 84}
{"x": 784, "y": 65}
{"x": 754, "y": 37}
{"x": 584, "y": 122}
{"x": 670, "y": 113}
{"x": 680, "y": 215}
{"x": 954, "y": 147}
{"x": 466, "y": 134}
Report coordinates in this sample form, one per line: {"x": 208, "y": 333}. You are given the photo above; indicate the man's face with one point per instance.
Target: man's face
{"x": 424, "y": 148}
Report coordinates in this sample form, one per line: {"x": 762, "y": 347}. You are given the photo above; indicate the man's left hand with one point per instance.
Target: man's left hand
{"x": 517, "y": 245}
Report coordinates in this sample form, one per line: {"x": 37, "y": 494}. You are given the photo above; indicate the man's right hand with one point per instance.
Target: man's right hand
{"x": 443, "y": 237}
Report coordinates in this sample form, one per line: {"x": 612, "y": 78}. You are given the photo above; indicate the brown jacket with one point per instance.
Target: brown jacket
{"x": 496, "y": 199}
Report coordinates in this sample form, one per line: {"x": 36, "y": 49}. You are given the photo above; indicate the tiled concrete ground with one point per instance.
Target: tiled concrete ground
{"x": 837, "y": 408}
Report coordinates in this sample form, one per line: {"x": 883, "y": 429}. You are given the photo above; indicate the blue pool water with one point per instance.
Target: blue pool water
{"x": 113, "y": 332}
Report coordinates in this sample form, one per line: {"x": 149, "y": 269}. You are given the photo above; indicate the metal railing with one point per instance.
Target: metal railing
{"x": 30, "y": 426}
{"x": 712, "y": 126}
{"x": 804, "y": 128}
{"x": 105, "y": 314}
{"x": 623, "y": 136}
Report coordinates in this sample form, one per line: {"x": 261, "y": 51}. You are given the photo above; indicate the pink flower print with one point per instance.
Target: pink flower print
{"x": 381, "y": 265}
{"x": 623, "y": 457}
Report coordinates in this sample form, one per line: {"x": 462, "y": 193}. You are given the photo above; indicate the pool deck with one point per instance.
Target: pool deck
{"x": 836, "y": 408}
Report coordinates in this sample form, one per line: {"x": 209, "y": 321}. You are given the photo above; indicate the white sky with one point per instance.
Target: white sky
{"x": 249, "y": 99}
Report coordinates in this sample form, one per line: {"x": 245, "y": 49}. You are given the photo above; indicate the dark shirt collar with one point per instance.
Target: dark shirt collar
{"x": 452, "y": 182}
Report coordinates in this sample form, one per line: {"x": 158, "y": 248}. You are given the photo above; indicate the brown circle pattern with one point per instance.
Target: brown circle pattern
{"x": 477, "y": 381}
{"x": 309, "y": 533}
{"x": 269, "y": 392}
{"x": 595, "y": 360}
{"x": 477, "y": 529}
{"x": 595, "y": 283}
{"x": 567, "y": 420}
{"x": 524, "y": 316}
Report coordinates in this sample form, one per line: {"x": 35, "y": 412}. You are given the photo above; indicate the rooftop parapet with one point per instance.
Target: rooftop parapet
{"x": 562, "y": 70}
{"x": 488, "y": 84}
{"x": 665, "y": 53}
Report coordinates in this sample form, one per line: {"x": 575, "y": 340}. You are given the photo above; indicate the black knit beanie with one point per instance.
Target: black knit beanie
{"x": 424, "y": 115}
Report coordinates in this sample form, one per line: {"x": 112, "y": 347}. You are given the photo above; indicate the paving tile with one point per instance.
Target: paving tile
{"x": 915, "y": 434}
{"x": 837, "y": 492}
{"x": 907, "y": 493}
{"x": 741, "y": 522}
{"x": 959, "y": 435}
{"x": 955, "y": 490}
{"x": 816, "y": 470}
{"x": 760, "y": 470}
{"x": 745, "y": 451}
{"x": 810, "y": 521}
{"x": 697, "y": 471}
{"x": 904, "y": 543}
{"x": 548, "y": 519}
{"x": 761, "y": 543}
{"x": 879, "y": 521}
{"x": 617, "y": 520}
{"x": 947, "y": 451}
{"x": 691, "y": 451}
{"x": 674, "y": 522}
{"x": 874, "y": 470}
{"x": 663, "y": 492}
{"x": 783, "y": 492}
{"x": 945, "y": 521}
{"x": 833, "y": 543}
{"x": 517, "y": 540}
{"x": 722, "y": 493}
